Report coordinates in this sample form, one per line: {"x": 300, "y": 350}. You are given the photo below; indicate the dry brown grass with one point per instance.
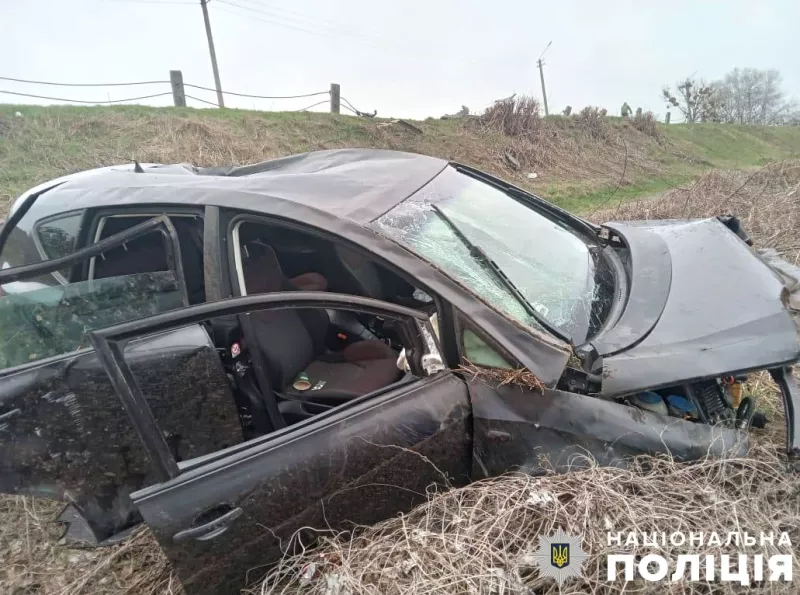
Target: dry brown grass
{"x": 500, "y": 376}
{"x": 34, "y": 562}
{"x": 592, "y": 121}
{"x": 515, "y": 117}
{"x": 647, "y": 123}
{"x": 479, "y": 539}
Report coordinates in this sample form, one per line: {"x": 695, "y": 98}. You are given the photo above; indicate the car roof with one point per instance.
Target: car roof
{"x": 355, "y": 184}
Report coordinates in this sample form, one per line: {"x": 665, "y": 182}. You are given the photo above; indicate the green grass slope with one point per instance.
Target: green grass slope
{"x": 579, "y": 168}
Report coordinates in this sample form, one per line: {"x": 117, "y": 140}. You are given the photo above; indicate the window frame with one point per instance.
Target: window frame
{"x": 230, "y": 219}
{"x": 99, "y": 216}
{"x": 234, "y": 256}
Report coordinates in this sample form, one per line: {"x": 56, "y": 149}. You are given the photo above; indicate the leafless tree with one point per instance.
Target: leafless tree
{"x": 752, "y": 96}
{"x": 696, "y": 100}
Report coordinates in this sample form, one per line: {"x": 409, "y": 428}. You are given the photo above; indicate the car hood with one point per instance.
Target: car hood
{"x": 702, "y": 303}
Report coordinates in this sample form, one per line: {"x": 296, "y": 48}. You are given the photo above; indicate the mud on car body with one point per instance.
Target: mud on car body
{"x": 232, "y": 354}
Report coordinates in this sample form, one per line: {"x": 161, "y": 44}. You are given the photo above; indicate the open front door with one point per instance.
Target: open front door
{"x": 64, "y": 433}
{"x": 224, "y": 518}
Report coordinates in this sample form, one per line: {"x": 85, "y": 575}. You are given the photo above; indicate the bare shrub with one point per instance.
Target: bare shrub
{"x": 516, "y": 117}
{"x": 591, "y": 122}
{"x": 479, "y": 539}
{"x": 647, "y": 123}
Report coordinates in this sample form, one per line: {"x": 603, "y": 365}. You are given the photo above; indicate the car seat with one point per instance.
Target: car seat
{"x": 293, "y": 342}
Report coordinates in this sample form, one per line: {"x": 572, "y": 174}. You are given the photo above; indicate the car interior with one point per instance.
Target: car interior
{"x": 316, "y": 359}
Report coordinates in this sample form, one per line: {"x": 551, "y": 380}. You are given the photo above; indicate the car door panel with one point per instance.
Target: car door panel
{"x": 237, "y": 510}
{"x": 531, "y": 431}
{"x": 372, "y": 464}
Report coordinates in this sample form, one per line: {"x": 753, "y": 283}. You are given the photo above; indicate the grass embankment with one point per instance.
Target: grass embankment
{"x": 578, "y": 167}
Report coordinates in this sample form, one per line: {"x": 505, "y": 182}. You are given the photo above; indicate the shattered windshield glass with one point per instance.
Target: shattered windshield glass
{"x": 554, "y": 268}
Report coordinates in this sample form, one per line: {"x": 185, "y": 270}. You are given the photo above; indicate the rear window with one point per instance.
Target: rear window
{"x": 57, "y": 237}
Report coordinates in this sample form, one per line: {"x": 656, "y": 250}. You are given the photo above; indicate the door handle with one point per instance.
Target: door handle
{"x": 209, "y": 530}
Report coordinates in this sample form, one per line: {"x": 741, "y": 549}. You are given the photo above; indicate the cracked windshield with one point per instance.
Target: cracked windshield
{"x": 554, "y": 279}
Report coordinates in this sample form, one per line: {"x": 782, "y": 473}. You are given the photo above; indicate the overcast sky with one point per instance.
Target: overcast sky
{"x": 407, "y": 58}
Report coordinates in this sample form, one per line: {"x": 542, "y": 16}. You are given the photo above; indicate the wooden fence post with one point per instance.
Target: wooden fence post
{"x": 178, "y": 95}
{"x": 335, "y": 98}
{"x": 666, "y": 120}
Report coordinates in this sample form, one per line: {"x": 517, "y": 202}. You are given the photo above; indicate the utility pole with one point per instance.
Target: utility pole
{"x": 541, "y": 78}
{"x": 220, "y": 99}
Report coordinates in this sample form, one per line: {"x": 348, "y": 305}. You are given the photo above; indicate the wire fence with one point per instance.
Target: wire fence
{"x": 177, "y": 91}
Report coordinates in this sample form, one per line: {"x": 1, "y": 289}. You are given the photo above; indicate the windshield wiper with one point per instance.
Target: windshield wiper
{"x": 480, "y": 254}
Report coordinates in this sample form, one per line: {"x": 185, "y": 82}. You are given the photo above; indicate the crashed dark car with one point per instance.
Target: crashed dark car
{"x": 230, "y": 355}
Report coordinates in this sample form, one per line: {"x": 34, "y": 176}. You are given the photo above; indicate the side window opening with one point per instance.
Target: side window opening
{"x": 272, "y": 258}
{"x": 147, "y": 254}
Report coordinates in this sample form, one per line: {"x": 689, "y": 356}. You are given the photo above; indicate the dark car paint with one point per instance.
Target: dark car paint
{"x": 364, "y": 465}
{"x": 543, "y": 354}
{"x": 73, "y": 439}
{"x": 702, "y": 304}
{"x": 650, "y": 273}
{"x": 516, "y": 428}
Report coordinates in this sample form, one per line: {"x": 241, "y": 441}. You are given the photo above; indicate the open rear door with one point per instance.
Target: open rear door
{"x": 224, "y": 518}
{"x": 63, "y": 432}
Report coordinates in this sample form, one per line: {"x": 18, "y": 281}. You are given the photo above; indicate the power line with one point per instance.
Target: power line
{"x": 247, "y": 8}
{"x": 284, "y": 24}
{"x": 259, "y": 96}
{"x": 6, "y": 78}
{"x": 312, "y": 105}
{"x": 155, "y": 2}
{"x": 298, "y": 17}
{"x": 83, "y": 100}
